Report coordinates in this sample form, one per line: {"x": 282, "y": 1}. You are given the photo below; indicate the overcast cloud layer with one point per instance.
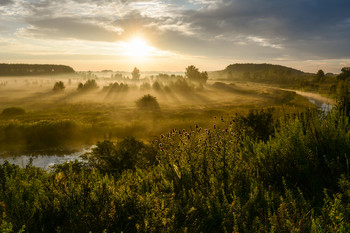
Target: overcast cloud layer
{"x": 273, "y": 31}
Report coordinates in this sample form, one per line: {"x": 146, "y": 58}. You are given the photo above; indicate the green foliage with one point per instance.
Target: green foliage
{"x": 148, "y": 102}
{"x": 201, "y": 180}
{"x": 343, "y": 102}
{"x": 127, "y": 154}
{"x": 13, "y": 111}
{"x": 59, "y": 86}
{"x": 345, "y": 73}
{"x": 257, "y": 124}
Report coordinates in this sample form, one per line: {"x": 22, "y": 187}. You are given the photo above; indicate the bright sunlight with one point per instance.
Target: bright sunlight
{"x": 138, "y": 47}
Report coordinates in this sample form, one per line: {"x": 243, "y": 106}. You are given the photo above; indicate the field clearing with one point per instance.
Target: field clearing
{"x": 70, "y": 119}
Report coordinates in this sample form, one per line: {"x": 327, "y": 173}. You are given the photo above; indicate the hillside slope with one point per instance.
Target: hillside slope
{"x": 259, "y": 73}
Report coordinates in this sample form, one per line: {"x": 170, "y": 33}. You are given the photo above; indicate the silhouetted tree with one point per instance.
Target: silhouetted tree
{"x": 147, "y": 102}
{"x": 156, "y": 86}
{"x": 88, "y": 85}
{"x": 345, "y": 73}
{"x": 59, "y": 86}
{"x": 319, "y": 75}
{"x": 193, "y": 74}
{"x": 135, "y": 74}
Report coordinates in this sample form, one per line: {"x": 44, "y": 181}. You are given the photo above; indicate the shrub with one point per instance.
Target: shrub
{"x": 88, "y": 85}
{"x": 13, "y": 111}
{"x": 59, "y": 86}
{"x": 148, "y": 102}
{"x": 257, "y": 124}
{"x": 114, "y": 158}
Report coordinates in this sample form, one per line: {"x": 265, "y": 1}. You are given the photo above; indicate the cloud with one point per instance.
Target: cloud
{"x": 69, "y": 28}
{"x": 5, "y": 2}
{"x": 255, "y": 29}
{"x": 298, "y": 26}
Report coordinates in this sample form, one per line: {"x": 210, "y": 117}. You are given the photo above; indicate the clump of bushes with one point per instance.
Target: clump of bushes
{"x": 116, "y": 87}
{"x": 148, "y": 102}
{"x": 128, "y": 154}
{"x": 13, "y": 111}
{"x": 59, "y": 86}
{"x": 256, "y": 124}
{"x": 88, "y": 85}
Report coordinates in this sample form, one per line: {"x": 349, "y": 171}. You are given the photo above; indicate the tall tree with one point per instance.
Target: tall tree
{"x": 193, "y": 74}
{"x": 135, "y": 74}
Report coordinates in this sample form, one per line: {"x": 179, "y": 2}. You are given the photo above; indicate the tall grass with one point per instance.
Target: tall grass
{"x": 215, "y": 179}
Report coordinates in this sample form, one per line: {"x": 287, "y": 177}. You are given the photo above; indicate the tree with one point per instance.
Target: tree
{"x": 59, "y": 86}
{"x": 193, "y": 74}
{"x": 135, "y": 74}
{"x": 345, "y": 73}
{"x": 89, "y": 85}
{"x": 319, "y": 75}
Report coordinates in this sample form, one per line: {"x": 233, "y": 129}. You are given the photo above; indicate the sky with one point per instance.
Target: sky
{"x": 170, "y": 35}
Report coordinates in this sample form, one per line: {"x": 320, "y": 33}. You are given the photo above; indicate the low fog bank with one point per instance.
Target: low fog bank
{"x": 171, "y": 91}
{"x": 46, "y": 114}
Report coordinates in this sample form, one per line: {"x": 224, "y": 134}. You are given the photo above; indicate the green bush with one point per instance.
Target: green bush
{"x": 114, "y": 158}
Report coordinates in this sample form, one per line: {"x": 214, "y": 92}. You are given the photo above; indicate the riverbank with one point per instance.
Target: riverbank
{"x": 45, "y": 161}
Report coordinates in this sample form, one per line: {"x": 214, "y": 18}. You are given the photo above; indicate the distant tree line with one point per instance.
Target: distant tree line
{"x": 33, "y": 69}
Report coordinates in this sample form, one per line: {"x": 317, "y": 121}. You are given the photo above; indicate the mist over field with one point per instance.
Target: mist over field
{"x": 69, "y": 111}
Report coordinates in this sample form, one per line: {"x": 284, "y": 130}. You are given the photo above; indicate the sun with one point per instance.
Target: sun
{"x": 138, "y": 47}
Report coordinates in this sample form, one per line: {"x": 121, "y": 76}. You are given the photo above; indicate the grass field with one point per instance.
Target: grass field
{"x": 69, "y": 119}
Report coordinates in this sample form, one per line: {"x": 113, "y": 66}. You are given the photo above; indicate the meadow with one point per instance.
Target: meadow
{"x": 62, "y": 120}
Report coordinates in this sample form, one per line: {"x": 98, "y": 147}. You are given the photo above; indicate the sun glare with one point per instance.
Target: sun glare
{"x": 138, "y": 47}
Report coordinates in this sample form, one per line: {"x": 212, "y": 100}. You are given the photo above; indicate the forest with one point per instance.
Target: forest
{"x": 225, "y": 151}
{"x": 33, "y": 69}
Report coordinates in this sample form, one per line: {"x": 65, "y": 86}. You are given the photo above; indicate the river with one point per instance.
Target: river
{"x": 45, "y": 161}
{"x": 323, "y": 103}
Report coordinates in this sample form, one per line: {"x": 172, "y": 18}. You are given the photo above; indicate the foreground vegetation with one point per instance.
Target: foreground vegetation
{"x": 239, "y": 175}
